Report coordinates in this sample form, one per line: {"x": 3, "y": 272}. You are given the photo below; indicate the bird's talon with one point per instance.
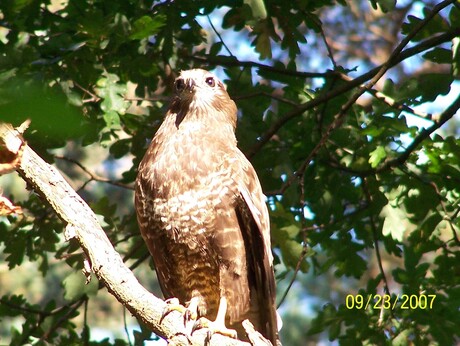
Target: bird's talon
{"x": 190, "y": 315}
{"x": 173, "y": 304}
{"x": 213, "y": 328}
{"x": 199, "y": 324}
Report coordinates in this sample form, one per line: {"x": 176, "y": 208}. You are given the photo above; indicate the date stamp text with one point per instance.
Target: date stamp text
{"x": 390, "y": 302}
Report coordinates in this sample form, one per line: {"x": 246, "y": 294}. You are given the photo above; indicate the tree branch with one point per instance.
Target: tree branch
{"x": 105, "y": 262}
{"x": 357, "y": 82}
{"x": 223, "y": 60}
{"x": 445, "y": 116}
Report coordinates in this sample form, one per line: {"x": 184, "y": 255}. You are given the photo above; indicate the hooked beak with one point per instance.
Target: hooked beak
{"x": 183, "y": 85}
{"x": 189, "y": 84}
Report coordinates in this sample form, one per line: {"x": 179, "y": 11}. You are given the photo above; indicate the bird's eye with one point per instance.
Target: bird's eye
{"x": 210, "y": 81}
{"x": 180, "y": 84}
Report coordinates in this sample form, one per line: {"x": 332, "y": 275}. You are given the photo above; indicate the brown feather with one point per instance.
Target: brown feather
{"x": 201, "y": 209}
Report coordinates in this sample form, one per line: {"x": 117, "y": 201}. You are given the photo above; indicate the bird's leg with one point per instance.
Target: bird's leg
{"x": 190, "y": 312}
{"x": 192, "y": 309}
{"x": 217, "y": 326}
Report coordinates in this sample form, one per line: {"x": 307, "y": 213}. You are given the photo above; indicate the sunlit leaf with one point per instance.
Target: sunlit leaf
{"x": 147, "y": 26}
{"x": 377, "y": 156}
{"x": 394, "y": 224}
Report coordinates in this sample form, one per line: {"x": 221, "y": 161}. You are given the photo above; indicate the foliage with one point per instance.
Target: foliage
{"x": 363, "y": 199}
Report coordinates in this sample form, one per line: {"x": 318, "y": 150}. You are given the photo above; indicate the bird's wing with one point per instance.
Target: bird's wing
{"x": 253, "y": 218}
{"x": 155, "y": 240}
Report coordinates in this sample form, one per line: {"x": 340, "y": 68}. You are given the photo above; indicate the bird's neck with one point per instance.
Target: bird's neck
{"x": 193, "y": 129}
{"x": 193, "y": 140}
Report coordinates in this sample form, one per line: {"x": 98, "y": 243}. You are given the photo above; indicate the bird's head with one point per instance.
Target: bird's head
{"x": 200, "y": 93}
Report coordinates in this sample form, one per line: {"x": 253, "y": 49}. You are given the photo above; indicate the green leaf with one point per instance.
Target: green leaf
{"x": 112, "y": 119}
{"x": 263, "y": 32}
{"x": 113, "y": 103}
{"x": 215, "y": 48}
{"x": 439, "y": 55}
{"x": 426, "y": 82}
{"x": 402, "y": 339}
{"x": 121, "y": 147}
{"x": 394, "y": 224}
{"x": 258, "y": 8}
{"x": 377, "y": 155}
{"x": 400, "y": 276}
{"x": 13, "y": 300}
{"x": 147, "y": 26}
{"x": 53, "y": 120}
{"x": 263, "y": 46}
{"x": 385, "y": 5}
{"x": 436, "y": 25}
{"x": 237, "y": 17}
{"x": 16, "y": 247}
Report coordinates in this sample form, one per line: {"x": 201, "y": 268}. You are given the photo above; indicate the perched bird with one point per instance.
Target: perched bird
{"x": 202, "y": 214}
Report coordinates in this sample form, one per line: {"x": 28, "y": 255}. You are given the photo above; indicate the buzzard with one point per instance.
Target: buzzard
{"x": 202, "y": 214}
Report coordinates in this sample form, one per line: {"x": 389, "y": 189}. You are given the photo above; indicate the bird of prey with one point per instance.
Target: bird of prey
{"x": 202, "y": 213}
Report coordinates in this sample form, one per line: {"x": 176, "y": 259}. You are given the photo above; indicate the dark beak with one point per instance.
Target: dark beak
{"x": 182, "y": 85}
{"x": 189, "y": 84}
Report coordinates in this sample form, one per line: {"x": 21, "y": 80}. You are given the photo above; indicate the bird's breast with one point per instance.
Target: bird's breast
{"x": 192, "y": 186}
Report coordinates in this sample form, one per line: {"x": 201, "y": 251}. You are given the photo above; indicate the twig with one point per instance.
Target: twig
{"x": 329, "y": 50}
{"x": 294, "y": 276}
{"x": 151, "y": 98}
{"x": 92, "y": 175}
{"x": 63, "y": 318}
{"x": 218, "y": 35}
{"x": 85, "y": 323}
{"x": 94, "y": 97}
{"x": 398, "y": 105}
{"x": 375, "y": 236}
{"x": 125, "y": 327}
{"x": 231, "y": 61}
{"x": 392, "y": 102}
{"x": 263, "y": 93}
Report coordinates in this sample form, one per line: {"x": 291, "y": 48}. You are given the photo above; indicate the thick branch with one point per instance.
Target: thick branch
{"x": 106, "y": 263}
